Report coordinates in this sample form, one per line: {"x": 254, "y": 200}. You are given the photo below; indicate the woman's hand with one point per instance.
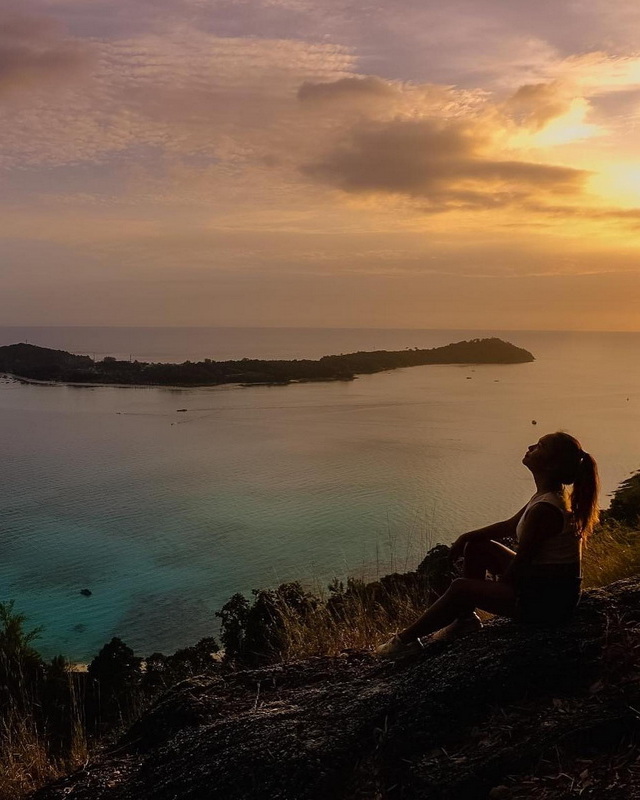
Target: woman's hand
{"x": 497, "y": 530}
{"x": 457, "y": 548}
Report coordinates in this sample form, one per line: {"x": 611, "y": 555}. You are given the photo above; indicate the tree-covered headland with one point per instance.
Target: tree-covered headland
{"x": 44, "y": 364}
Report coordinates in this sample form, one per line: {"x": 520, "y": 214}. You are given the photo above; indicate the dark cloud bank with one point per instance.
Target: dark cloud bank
{"x": 439, "y": 162}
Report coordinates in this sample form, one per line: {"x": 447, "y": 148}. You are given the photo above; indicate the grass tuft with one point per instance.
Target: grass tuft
{"x": 26, "y": 762}
{"x": 611, "y": 553}
{"x": 352, "y": 618}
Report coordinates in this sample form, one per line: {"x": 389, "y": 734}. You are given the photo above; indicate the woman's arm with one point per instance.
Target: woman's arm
{"x": 542, "y": 521}
{"x": 498, "y": 530}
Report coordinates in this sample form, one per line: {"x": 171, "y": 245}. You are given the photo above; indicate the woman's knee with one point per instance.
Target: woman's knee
{"x": 460, "y": 587}
{"x": 494, "y": 556}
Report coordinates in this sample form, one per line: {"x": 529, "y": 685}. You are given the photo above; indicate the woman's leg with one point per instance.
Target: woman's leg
{"x": 485, "y": 556}
{"x": 461, "y": 598}
{"x": 470, "y": 592}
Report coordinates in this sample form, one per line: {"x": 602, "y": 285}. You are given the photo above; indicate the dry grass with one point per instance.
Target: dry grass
{"x": 612, "y": 553}
{"x": 367, "y": 617}
{"x": 28, "y": 750}
{"x": 25, "y": 760}
{"x": 351, "y": 620}
{"x": 347, "y": 618}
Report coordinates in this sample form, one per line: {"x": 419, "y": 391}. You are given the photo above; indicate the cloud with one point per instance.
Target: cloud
{"x": 34, "y": 51}
{"x": 628, "y": 216}
{"x": 355, "y": 96}
{"x": 180, "y": 116}
{"x": 350, "y": 89}
{"x": 445, "y": 163}
{"x": 181, "y": 93}
{"x": 534, "y": 105}
{"x": 599, "y": 72}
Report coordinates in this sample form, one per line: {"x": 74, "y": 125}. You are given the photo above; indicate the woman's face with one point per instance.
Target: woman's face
{"x": 539, "y": 455}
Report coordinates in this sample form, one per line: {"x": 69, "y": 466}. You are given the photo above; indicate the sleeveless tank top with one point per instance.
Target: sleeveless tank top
{"x": 563, "y": 548}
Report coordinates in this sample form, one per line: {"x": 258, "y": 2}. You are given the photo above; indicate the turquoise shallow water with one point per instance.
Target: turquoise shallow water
{"x": 164, "y": 515}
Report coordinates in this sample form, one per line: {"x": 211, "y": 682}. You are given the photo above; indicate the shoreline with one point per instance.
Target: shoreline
{"x": 238, "y": 385}
{"x": 21, "y": 379}
{"x": 173, "y": 387}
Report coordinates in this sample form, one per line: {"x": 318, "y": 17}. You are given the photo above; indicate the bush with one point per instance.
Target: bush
{"x": 256, "y": 634}
{"x": 41, "y": 733}
{"x": 20, "y": 664}
{"x": 289, "y": 622}
{"x": 625, "y": 504}
{"x": 162, "y": 671}
{"x": 115, "y": 675}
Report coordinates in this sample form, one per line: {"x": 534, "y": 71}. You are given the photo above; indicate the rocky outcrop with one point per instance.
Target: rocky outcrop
{"x": 503, "y": 713}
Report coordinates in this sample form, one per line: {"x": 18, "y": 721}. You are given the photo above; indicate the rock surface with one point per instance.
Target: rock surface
{"x": 505, "y": 712}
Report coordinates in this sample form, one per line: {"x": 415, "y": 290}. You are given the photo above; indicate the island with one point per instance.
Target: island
{"x": 30, "y": 362}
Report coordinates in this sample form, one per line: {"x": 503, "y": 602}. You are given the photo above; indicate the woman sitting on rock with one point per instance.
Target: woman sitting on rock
{"x": 540, "y": 580}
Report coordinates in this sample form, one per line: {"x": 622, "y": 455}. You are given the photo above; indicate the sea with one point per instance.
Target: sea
{"x": 164, "y": 502}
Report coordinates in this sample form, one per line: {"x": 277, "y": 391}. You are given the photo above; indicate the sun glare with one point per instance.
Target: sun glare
{"x": 619, "y": 183}
{"x": 570, "y": 127}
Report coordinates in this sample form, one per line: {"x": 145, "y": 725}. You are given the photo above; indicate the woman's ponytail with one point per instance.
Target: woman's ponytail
{"x": 584, "y": 495}
{"x": 577, "y": 469}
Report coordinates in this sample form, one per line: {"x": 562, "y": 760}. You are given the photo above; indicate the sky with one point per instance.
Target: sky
{"x": 473, "y": 164}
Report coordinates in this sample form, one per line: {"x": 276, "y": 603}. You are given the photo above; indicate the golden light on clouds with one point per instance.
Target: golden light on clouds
{"x": 178, "y": 152}
{"x": 571, "y": 126}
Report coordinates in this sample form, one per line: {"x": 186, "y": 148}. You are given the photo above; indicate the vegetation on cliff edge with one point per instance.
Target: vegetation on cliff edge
{"x": 52, "y": 717}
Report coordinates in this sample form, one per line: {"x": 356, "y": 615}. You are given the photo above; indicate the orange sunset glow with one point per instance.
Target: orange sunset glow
{"x": 473, "y": 164}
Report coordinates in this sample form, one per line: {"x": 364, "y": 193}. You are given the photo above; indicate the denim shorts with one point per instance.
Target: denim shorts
{"x": 548, "y": 593}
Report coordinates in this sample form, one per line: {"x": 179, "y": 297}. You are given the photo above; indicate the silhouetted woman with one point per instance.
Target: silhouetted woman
{"x": 540, "y": 580}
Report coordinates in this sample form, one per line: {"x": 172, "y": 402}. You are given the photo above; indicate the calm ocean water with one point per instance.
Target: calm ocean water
{"x": 165, "y": 514}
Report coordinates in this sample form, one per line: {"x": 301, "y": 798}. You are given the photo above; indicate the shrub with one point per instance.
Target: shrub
{"x": 257, "y": 633}
{"x": 625, "y": 504}
{"x": 162, "y": 671}
{"x": 115, "y": 675}
{"x": 41, "y": 734}
{"x": 289, "y": 622}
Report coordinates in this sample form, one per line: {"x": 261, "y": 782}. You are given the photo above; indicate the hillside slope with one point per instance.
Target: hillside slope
{"x": 512, "y": 711}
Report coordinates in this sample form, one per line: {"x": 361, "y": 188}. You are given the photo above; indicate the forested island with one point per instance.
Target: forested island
{"x": 44, "y": 364}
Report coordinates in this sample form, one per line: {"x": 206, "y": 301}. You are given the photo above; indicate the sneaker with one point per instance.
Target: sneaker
{"x": 462, "y": 626}
{"x": 396, "y": 648}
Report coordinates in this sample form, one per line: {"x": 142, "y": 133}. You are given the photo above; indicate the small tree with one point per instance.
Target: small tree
{"x": 257, "y": 634}
{"x": 59, "y": 706}
{"x": 192, "y": 660}
{"x": 234, "y": 614}
{"x": 156, "y": 673}
{"x": 162, "y": 671}
{"x": 116, "y": 673}
{"x": 20, "y": 662}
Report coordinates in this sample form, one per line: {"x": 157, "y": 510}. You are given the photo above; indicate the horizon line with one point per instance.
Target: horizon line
{"x": 322, "y": 328}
